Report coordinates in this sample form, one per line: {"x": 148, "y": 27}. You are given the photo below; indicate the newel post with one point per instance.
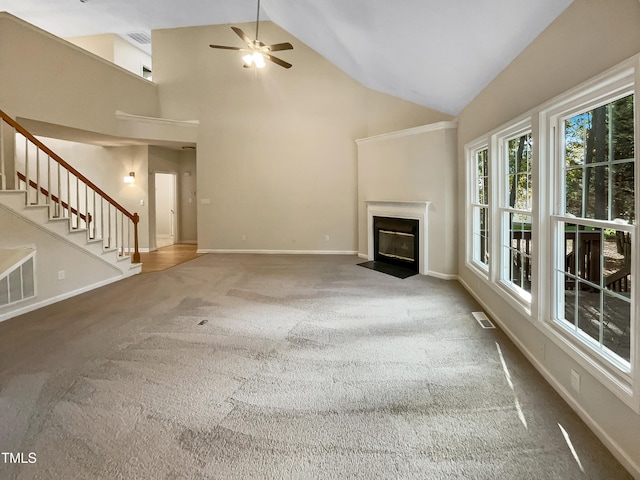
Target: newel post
{"x": 136, "y": 252}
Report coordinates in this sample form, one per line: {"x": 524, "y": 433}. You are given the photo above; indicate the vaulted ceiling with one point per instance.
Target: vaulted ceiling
{"x": 436, "y": 53}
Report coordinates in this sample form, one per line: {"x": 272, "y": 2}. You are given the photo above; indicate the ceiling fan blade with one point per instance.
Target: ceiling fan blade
{"x": 277, "y": 61}
{"x": 243, "y": 36}
{"x": 224, "y": 47}
{"x": 280, "y": 46}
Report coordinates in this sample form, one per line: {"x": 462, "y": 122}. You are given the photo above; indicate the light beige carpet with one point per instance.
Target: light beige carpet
{"x": 279, "y": 367}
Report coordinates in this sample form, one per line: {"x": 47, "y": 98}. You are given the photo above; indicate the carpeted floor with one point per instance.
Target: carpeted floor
{"x": 280, "y": 367}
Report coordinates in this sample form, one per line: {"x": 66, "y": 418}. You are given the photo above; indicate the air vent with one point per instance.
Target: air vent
{"x": 483, "y": 320}
{"x": 142, "y": 38}
{"x": 17, "y": 275}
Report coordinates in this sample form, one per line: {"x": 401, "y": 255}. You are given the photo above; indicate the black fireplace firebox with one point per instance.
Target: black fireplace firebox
{"x": 396, "y": 241}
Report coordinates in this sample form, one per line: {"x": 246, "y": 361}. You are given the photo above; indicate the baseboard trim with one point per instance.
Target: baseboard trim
{"x": 278, "y": 252}
{"x": 443, "y": 276}
{"x": 50, "y": 301}
{"x": 604, "y": 437}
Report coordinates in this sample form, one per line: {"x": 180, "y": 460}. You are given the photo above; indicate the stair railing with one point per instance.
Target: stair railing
{"x": 48, "y": 180}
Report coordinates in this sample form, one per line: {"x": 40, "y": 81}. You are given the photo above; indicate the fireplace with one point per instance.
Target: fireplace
{"x": 396, "y": 241}
{"x": 405, "y": 218}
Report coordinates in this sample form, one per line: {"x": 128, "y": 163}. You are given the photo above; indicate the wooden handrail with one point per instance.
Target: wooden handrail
{"x": 89, "y": 185}
{"x": 45, "y": 192}
{"x": 59, "y": 160}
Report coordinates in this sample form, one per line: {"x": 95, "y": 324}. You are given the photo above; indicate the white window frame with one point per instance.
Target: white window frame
{"x": 543, "y": 121}
{"x": 621, "y": 378}
{"x": 471, "y": 153}
{"x": 520, "y": 297}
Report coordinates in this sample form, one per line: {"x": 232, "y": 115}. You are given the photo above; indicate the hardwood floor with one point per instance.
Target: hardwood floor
{"x": 167, "y": 257}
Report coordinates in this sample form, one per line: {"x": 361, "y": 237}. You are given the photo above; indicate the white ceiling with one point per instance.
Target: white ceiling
{"x": 436, "y": 53}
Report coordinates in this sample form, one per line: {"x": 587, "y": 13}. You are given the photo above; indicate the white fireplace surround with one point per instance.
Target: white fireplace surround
{"x": 401, "y": 209}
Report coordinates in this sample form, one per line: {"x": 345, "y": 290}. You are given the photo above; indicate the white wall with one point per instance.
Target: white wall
{"x": 165, "y": 203}
{"x": 129, "y": 56}
{"x": 414, "y": 165}
{"x": 588, "y": 38}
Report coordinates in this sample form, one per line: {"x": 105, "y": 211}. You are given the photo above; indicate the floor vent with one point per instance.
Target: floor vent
{"x": 483, "y": 320}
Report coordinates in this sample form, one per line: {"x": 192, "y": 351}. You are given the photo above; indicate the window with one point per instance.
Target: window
{"x": 594, "y": 228}
{"x": 515, "y": 213}
{"x": 480, "y": 207}
{"x": 552, "y": 227}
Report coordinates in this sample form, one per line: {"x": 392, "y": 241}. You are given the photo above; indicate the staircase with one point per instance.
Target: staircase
{"x": 41, "y": 187}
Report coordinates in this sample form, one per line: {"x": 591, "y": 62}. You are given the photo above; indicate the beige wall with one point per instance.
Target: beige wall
{"x": 414, "y": 165}
{"x": 48, "y": 79}
{"x": 115, "y": 49}
{"x": 589, "y": 37}
{"x": 164, "y": 160}
{"x": 82, "y": 270}
{"x": 187, "y": 198}
{"x": 100, "y": 45}
{"x": 106, "y": 167}
{"x": 276, "y": 155}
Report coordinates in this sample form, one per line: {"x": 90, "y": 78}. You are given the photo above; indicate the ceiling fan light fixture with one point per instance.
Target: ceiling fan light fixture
{"x": 254, "y": 59}
{"x": 258, "y": 59}
{"x": 258, "y": 52}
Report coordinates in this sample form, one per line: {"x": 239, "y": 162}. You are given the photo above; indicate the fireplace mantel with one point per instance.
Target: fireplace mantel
{"x": 417, "y": 210}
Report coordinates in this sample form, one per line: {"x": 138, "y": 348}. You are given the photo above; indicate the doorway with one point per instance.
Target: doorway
{"x": 166, "y": 220}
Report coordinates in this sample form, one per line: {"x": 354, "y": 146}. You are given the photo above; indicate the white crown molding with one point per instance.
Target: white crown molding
{"x": 432, "y": 127}
{"x": 155, "y": 120}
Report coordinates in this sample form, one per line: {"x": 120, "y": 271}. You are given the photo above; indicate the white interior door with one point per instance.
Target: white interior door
{"x": 165, "y": 209}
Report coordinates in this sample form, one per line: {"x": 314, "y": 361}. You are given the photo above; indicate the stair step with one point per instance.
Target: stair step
{"x": 40, "y": 214}
{"x": 14, "y": 199}
{"x": 37, "y": 213}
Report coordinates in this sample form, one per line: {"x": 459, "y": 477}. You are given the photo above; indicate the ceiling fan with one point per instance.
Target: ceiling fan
{"x": 258, "y": 52}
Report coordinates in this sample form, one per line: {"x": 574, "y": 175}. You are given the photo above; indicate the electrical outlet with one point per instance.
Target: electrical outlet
{"x": 575, "y": 380}
{"x": 61, "y": 274}
{"x": 327, "y": 238}
{"x": 244, "y": 237}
